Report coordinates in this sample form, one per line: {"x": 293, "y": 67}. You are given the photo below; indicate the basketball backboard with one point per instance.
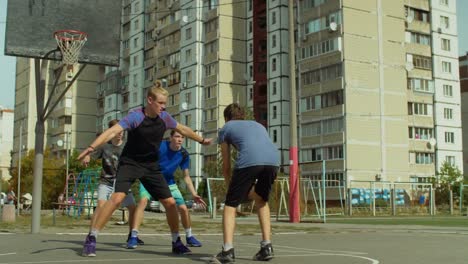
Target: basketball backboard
{"x": 30, "y": 26}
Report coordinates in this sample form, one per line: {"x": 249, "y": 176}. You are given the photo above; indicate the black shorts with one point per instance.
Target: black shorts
{"x": 149, "y": 175}
{"x": 243, "y": 180}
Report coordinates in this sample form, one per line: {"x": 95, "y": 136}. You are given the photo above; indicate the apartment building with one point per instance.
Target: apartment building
{"x": 372, "y": 109}
{"x": 70, "y": 125}
{"x": 6, "y": 142}
{"x": 463, "y": 69}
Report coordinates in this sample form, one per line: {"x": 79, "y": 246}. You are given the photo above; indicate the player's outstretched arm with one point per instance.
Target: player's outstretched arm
{"x": 188, "y": 182}
{"x": 107, "y": 135}
{"x": 188, "y": 132}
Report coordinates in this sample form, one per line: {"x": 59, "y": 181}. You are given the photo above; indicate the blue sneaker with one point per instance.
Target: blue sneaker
{"x": 140, "y": 242}
{"x": 132, "y": 243}
{"x": 179, "y": 248}
{"x": 193, "y": 242}
{"x": 89, "y": 247}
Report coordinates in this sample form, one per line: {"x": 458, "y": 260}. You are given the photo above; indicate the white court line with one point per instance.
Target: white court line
{"x": 373, "y": 261}
{"x": 6, "y": 254}
{"x": 310, "y": 249}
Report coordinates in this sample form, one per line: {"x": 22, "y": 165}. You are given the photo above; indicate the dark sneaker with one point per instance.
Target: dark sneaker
{"x": 132, "y": 243}
{"x": 193, "y": 242}
{"x": 265, "y": 253}
{"x": 224, "y": 257}
{"x": 139, "y": 241}
{"x": 89, "y": 247}
{"x": 179, "y": 248}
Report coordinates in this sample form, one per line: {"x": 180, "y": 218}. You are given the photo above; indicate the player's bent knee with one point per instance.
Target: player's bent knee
{"x": 168, "y": 202}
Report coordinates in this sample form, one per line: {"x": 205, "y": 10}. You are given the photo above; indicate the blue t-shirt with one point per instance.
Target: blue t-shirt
{"x": 145, "y": 134}
{"x": 252, "y": 142}
{"x": 169, "y": 160}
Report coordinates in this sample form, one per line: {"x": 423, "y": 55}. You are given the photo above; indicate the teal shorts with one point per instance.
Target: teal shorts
{"x": 174, "y": 191}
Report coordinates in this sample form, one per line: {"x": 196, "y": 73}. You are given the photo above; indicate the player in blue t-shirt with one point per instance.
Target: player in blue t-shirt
{"x": 140, "y": 160}
{"x": 171, "y": 156}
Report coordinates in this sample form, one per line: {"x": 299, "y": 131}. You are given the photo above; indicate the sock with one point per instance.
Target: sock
{"x": 265, "y": 242}
{"x": 175, "y": 236}
{"x": 134, "y": 233}
{"x": 94, "y": 233}
{"x": 227, "y": 246}
{"x": 188, "y": 232}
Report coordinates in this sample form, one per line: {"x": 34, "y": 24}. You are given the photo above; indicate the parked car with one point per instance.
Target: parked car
{"x": 155, "y": 206}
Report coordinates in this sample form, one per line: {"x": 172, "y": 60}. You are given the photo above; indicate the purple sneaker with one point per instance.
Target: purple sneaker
{"x": 179, "y": 248}
{"x": 89, "y": 247}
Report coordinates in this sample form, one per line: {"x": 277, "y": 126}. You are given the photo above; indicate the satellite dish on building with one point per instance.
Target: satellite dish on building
{"x": 60, "y": 143}
{"x": 185, "y": 19}
{"x": 333, "y": 26}
{"x": 432, "y": 142}
{"x": 184, "y": 105}
{"x": 409, "y": 19}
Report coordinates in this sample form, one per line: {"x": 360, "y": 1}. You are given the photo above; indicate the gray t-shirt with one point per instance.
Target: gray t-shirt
{"x": 252, "y": 142}
{"x": 109, "y": 154}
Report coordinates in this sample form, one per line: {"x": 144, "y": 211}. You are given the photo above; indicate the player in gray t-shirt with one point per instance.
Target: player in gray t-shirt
{"x": 109, "y": 154}
{"x": 253, "y": 175}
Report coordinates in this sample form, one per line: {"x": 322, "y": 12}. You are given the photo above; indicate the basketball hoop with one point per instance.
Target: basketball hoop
{"x": 70, "y": 43}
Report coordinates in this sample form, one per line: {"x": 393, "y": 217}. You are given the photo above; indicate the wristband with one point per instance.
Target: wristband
{"x": 203, "y": 141}
{"x": 91, "y": 147}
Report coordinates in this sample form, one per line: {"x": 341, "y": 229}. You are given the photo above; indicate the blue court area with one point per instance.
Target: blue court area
{"x": 330, "y": 243}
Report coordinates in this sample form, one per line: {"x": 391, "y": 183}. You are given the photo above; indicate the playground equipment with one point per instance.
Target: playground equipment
{"x": 83, "y": 195}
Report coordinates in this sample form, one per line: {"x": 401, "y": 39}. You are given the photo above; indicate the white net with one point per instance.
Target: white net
{"x": 70, "y": 43}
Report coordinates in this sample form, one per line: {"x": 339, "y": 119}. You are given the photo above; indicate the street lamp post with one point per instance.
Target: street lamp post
{"x": 18, "y": 204}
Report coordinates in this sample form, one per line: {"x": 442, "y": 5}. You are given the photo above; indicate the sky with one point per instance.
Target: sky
{"x": 7, "y": 63}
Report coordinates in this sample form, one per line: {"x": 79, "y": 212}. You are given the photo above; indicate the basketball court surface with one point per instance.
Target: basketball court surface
{"x": 333, "y": 244}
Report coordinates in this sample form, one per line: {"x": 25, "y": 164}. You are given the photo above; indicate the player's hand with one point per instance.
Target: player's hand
{"x": 207, "y": 141}
{"x": 197, "y": 198}
{"x": 84, "y": 156}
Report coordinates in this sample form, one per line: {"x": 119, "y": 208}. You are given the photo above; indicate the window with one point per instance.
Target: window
{"x": 450, "y": 160}
{"x": 210, "y": 92}
{"x": 275, "y": 113}
{"x": 421, "y": 85}
{"x": 126, "y": 44}
{"x": 418, "y": 15}
{"x": 135, "y": 42}
{"x": 444, "y": 22}
{"x": 188, "y": 33}
{"x": 250, "y": 26}
{"x": 135, "y": 60}
{"x": 250, "y": 5}
{"x": 322, "y": 23}
{"x": 211, "y": 26}
{"x": 250, "y": 49}
{"x": 446, "y": 67}
{"x": 211, "y": 69}
{"x": 422, "y": 39}
{"x": 135, "y": 97}
{"x": 135, "y": 79}
{"x": 188, "y": 76}
{"x": 320, "y": 48}
{"x": 273, "y": 64}
{"x": 188, "y": 55}
{"x": 449, "y": 137}
{"x": 273, "y": 41}
{"x": 210, "y": 114}
{"x": 444, "y": 2}
{"x": 211, "y": 47}
{"x": 136, "y": 24}
{"x": 273, "y": 89}
{"x": 419, "y": 109}
{"x": 424, "y": 158}
{"x": 448, "y": 90}
{"x": 273, "y": 18}
{"x": 136, "y": 7}
{"x": 188, "y": 98}
{"x": 333, "y": 152}
{"x": 251, "y": 71}
{"x": 422, "y": 62}
{"x": 448, "y": 113}
{"x": 445, "y": 45}
{"x": 250, "y": 94}
{"x": 323, "y": 74}
{"x": 422, "y": 133}
{"x": 275, "y": 135}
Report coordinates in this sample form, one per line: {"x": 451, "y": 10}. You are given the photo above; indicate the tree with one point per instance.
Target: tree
{"x": 53, "y": 177}
{"x": 448, "y": 178}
